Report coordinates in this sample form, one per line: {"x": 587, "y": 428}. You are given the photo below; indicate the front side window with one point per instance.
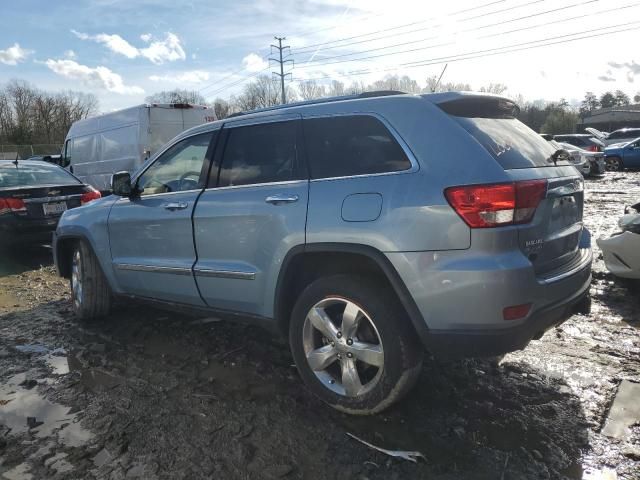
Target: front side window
{"x": 351, "y": 145}
{"x": 178, "y": 169}
{"x": 260, "y": 154}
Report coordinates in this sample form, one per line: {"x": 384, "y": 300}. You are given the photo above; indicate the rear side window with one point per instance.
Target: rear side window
{"x": 260, "y": 154}
{"x": 351, "y": 145}
{"x": 492, "y": 123}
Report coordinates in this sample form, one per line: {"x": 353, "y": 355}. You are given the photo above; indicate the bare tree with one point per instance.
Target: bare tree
{"x": 221, "y": 108}
{"x": 177, "y": 96}
{"x": 31, "y": 116}
{"x": 434, "y": 86}
{"x": 336, "y": 89}
{"x": 310, "y": 90}
{"x": 497, "y": 88}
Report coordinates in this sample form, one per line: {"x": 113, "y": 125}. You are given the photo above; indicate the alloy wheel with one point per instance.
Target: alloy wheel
{"x": 343, "y": 347}
{"x": 76, "y": 279}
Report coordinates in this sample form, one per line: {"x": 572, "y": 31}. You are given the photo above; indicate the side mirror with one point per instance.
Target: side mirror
{"x": 121, "y": 184}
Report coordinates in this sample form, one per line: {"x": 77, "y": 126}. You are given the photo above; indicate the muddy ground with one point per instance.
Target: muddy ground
{"x": 150, "y": 394}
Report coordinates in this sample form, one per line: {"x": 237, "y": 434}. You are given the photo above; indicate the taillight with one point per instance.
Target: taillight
{"x": 497, "y": 205}
{"x": 14, "y": 205}
{"x": 90, "y": 196}
{"x": 593, "y": 148}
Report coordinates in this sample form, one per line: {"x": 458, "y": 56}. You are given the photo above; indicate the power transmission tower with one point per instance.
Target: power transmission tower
{"x": 281, "y": 61}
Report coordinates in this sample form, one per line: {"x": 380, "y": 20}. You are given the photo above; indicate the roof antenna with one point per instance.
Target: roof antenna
{"x": 433, "y": 89}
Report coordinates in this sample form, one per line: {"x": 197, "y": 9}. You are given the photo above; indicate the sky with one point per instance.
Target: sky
{"x": 125, "y": 50}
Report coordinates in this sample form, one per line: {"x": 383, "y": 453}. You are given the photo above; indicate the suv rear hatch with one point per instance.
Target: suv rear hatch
{"x": 551, "y": 238}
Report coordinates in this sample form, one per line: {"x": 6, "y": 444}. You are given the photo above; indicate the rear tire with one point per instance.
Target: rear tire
{"x": 353, "y": 344}
{"x": 614, "y": 164}
{"x": 90, "y": 292}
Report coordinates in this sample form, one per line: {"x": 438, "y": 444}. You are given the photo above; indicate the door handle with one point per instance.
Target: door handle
{"x": 175, "y": 206}
{"x": 281, "y": 198}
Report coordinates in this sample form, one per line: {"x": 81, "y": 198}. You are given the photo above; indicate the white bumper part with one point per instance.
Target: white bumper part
{"x": 622, "y": 254}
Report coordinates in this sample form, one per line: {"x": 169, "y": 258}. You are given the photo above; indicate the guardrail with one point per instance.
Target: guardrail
{"x": 22, "y": 152}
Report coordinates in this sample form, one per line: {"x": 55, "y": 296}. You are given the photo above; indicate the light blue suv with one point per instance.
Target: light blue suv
{"x": 368, "y": 228}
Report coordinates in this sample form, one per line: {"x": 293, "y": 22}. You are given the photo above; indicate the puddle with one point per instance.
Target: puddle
{"x": 34, "y": 348}
{"x": 57, "y": 361}
{"x": 624, "y": 412}
{"x": 20, "y": 408}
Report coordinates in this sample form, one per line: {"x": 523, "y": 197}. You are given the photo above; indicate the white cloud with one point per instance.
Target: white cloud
{"x": 159, "y": 51}
{"x": 13, "y": 55}
{"x": 99, "y": 77}
{"x": 169, "y": 49}
{"x": 254, "y": 63}
{"x": 193, "y": 76}
{"x": 70, "y": 54}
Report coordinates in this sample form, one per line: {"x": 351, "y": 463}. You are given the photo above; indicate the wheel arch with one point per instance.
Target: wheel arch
{"x": 63, "y": 251}
{"x": 305, "y": 263}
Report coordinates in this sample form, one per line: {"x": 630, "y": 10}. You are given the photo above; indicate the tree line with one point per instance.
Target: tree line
{"x": 542, "y": 116}
{"x": 31, "y": 116}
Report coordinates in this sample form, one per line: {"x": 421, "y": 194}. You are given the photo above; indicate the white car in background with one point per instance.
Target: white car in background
{"x": 621, "y": 251}
{"x": 589, "y": 163}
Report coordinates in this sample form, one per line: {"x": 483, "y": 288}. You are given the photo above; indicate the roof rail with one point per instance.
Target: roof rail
{"x": 378, "y": 93}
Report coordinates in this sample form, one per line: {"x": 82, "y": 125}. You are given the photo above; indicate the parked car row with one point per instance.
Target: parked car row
{"x": 601, "y": 150}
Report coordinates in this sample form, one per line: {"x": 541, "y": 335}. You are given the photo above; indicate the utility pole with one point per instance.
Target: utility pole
{"x": 281, "y": 61}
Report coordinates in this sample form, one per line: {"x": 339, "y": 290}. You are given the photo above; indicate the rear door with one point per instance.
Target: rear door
{"x": 551, "y": 240}
{"x": 151, "y": 235}
{"x": 252, "y": 214}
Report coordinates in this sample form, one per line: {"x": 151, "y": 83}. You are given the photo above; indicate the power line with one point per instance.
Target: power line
{"x": 411, "y": 42}
{"x": 592, "y": 14}
{"x": 467, "y": 10}
{"x": 313, "y": 46}
{"x": 488, "y": 52}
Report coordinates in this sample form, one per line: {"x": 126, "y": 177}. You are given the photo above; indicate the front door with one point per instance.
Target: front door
{"x": 151, "y": 234}
{"x": 247, "y": 221}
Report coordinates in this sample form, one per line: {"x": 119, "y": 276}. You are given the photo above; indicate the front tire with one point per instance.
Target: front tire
{"x": 614, "y": 164}
{"x": 353, "y": 344}
{"x": 90, "y": 292}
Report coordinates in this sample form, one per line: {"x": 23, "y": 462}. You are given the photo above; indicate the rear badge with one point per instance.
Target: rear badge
{"x": 534, "y": 245}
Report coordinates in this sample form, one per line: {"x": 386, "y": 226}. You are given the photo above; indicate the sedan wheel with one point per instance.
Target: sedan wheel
{"x": 614, "y": 164}
{"x": 343, "y": 347}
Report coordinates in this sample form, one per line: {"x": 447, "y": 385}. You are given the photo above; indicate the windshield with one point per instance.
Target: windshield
{"x": 33, "y": 175}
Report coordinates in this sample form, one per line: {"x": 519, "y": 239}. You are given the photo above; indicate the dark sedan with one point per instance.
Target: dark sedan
{"x": 33, "y": 196}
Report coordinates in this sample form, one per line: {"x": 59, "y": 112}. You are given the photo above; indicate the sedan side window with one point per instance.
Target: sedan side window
{"x": 179, "y": 168}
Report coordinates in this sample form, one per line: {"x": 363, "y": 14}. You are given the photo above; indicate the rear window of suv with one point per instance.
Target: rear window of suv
{"x": 347, "y": 145}
{"x": 492, "y": 123}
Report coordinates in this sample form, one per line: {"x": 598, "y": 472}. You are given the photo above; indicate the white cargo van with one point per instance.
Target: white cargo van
{"x": 97, "y": 147}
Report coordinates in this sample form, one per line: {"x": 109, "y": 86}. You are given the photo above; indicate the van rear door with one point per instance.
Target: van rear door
{"x": 551, "y": 239}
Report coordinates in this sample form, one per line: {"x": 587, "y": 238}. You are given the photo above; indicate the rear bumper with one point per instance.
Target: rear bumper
{"x": 461, "y": 297}
{"x": 19, "y": 230}
{"x": 488, "y": 343}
